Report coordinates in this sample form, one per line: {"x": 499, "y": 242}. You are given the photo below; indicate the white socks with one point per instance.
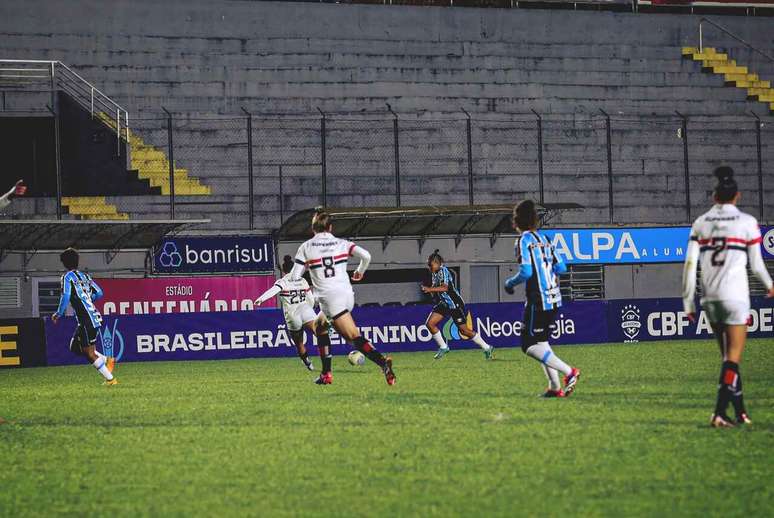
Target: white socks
{"x": 553, "y": 377}
{"x": 543, "y": 353}
{"x": 438, "y": 337}
{"x": 480, "y": 341}
{"x": 101, "y": 365}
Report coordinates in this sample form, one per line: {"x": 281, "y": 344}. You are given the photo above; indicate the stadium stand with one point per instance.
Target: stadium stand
{"x": 363, "y": 71}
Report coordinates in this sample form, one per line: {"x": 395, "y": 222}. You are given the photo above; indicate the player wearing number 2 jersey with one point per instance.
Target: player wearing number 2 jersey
{"x": 326, "y": 256}
{"x": 724, "y": 241}
{"x": 297, "y": 303}
{"x": 539, "y": 267}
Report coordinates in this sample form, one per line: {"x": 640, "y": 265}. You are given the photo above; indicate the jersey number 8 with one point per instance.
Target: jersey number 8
{"x": 328, "y": 267}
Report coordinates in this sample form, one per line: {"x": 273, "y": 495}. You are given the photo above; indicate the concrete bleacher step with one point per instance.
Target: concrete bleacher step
{"x": 734, "y": 74}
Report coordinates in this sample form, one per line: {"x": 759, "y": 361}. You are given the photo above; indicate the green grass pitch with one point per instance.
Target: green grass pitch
{"x": 459, "y": 436}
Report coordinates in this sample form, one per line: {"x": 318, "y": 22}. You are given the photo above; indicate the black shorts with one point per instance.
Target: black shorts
{"x": 537, "y": 325}
{"x": 457, "y": 314}
{"x": 85, "y": 336}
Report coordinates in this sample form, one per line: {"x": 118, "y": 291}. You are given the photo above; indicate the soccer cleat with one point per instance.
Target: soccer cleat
{"x": 549, "y": 393}
{"x": 111, "y": 363}
{"x": 389, "y": 375}
{"x": 489, "y": 353}
{"x": 744, "y": 419}
{"x": 570, "y": 381}
{"x": 721, "y": 421}
{"x": 110, "y": 383}
{"x": 324, "y": 379}
{"x": 441, "y": 353}
{"x": 310, "y": 366}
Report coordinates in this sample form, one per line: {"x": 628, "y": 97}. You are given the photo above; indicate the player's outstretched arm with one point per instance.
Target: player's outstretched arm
{"x": 758, "y": 267}
{"x": 365, "y": 259}
{"x": 689, "y": 277}
{"x": 266, "y": 295}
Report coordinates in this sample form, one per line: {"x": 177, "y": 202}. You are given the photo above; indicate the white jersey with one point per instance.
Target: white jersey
{"x": 326, "y": 256}
{"x": 724, "y": 240}
{"x": 293, "y": 293}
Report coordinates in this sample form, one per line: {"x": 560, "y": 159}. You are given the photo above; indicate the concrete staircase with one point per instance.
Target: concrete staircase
{"x": 349, "y": 60}
{"x": 733, "y": 74}
{"x": 92, "y": 207}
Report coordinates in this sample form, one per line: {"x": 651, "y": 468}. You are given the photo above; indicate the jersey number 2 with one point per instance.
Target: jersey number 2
{"x": 718, "y": 247}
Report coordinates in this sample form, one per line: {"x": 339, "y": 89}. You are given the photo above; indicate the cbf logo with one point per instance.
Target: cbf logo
{"x": 451, "y": 331}
{"x": 768, "y": 241}
{"x": 630, "y": 322}
{"x": 170, "y": 257}
{"x": 112, "y": 342}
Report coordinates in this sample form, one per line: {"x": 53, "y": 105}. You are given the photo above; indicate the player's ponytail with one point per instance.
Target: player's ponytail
{"x": 726, "y": 188}
{"x": 525, "y": 215}
{"x": 287, "y": 264}
{"x": 435, "y": 256}
{"x": 321, "y": 221}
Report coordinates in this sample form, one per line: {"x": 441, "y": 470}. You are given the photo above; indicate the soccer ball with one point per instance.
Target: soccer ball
{"x": 356, "y": 358}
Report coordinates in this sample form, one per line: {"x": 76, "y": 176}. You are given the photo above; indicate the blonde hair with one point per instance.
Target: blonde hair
{"x": 321, "y": 221}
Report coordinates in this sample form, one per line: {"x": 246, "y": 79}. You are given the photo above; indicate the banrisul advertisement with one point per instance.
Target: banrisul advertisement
{"x": 226, "y": 254}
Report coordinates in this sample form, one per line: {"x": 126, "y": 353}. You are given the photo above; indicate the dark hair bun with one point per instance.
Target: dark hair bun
{"x": 726, "y": 189}
{"x": 724, "y": 173}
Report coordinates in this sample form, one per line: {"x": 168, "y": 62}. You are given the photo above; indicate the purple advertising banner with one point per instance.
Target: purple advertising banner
{"x": 262, "y": 333}
{"x": 664, "y": 319}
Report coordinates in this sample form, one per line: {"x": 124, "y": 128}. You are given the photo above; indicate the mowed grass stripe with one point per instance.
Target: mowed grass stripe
{"x": 459, "y": 436}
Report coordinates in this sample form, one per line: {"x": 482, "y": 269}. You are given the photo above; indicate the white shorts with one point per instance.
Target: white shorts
{"x": 729, "y": 312}
{"x": 302, "y": 314}
{"x": 335, "y": 304}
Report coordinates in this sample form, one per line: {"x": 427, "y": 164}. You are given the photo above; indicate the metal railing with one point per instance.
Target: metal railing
{"x": 715, "y": 24}
{"x": 625, "y": 170}
{"x": 59, "y": 77}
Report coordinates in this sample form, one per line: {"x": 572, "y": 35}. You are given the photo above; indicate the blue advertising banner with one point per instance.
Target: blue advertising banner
{"x": 664, "y": 319}
{"x": 227, "y": 254}
{"x": 631, "y": 245}
{"x": 620, "y": 245}
{"x": 252, "y": 334}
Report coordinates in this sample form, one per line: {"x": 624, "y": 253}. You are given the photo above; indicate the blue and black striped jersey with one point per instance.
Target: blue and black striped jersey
{"x": 540, "y": 267}
{"x": 451, "y": 297}
{"x": 80, "y": 290}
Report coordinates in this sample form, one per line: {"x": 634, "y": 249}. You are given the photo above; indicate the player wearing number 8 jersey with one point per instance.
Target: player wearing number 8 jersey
{"x": 326, "y": 256}
{"x": 539, "y": 267}
{"x": 725, "y": 240}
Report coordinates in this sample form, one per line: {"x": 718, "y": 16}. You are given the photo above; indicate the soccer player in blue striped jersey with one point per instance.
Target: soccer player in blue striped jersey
{"x": 80, "y": 291}
{"x": 448, "y": 303}
{"x": 539, "y": 268}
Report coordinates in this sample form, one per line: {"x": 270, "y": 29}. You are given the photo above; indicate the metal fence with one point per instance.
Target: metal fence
{"x": 623, "y": 170}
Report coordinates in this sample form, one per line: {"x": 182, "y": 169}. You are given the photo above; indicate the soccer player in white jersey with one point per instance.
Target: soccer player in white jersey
{"x": 298, "y": 309}
{"x": 325, "y": 256}
{"x": 725, "y": 240}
